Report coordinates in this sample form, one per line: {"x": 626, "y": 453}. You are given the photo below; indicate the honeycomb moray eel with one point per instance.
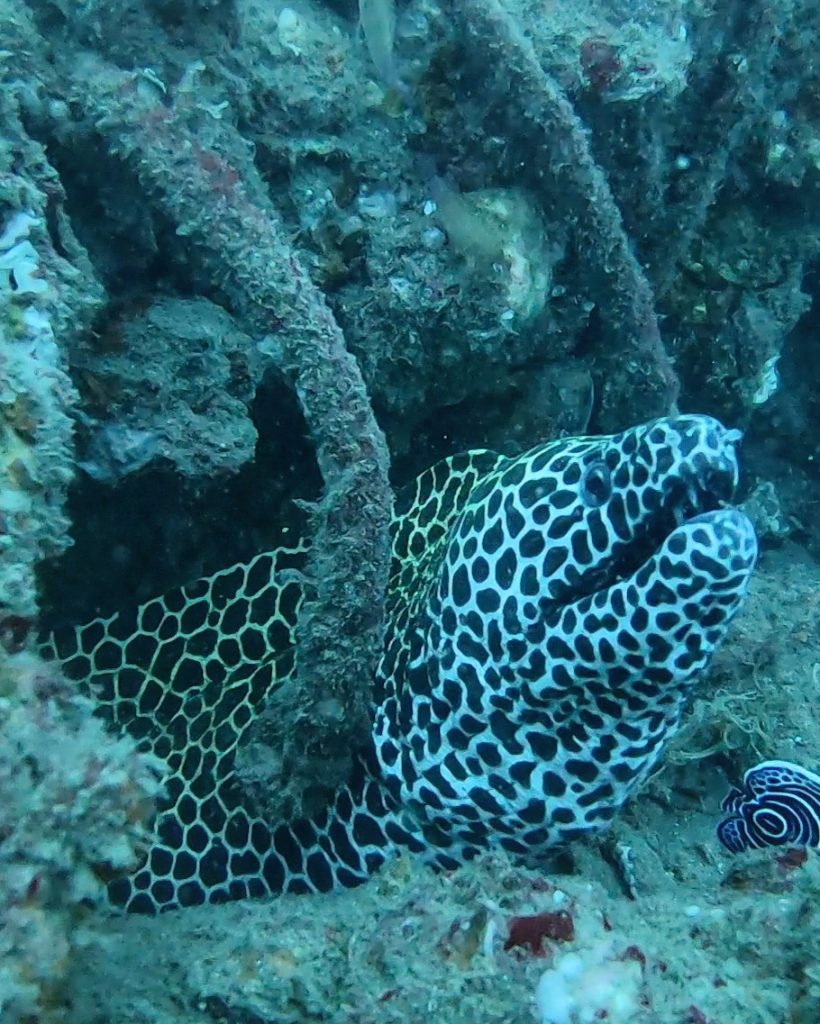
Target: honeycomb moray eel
{"x": 547, "y": 617}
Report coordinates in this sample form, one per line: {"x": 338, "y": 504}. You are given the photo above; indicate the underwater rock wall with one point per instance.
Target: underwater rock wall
{"x": 518, "y": 220}
{"x": 74, "y": 805}
{"x": 47, "y": 297}
{"x": 686, "y": 136}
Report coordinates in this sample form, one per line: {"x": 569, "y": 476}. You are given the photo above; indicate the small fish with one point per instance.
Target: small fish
{"x": 377, "y": 20}
{"x": 777, "y": 805}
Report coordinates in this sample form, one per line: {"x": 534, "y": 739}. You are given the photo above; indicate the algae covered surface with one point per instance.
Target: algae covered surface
{"x": 414, "y": 948}
{"x": 262, "y": 263}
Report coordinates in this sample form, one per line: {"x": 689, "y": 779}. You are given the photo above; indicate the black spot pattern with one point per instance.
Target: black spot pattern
{"x": 532, "y": 667}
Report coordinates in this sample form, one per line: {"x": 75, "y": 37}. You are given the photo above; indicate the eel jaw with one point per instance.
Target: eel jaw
{"x": 694, "y": 495}
{"x": 706, "y": 491}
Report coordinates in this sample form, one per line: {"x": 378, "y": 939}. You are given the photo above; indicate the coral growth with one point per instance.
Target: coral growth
{"x": 73, "y": 803}
{"x": 172, "y": 382}
{"x": 35, "y": 431}
{"x": 48, "y": 295}
{"x": 255, "y": 156}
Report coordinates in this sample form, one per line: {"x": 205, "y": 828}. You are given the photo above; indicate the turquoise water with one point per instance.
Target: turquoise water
{"x": 276, "y": 655}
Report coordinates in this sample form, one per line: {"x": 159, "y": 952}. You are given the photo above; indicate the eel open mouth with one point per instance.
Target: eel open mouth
{"x": 695, "y": 493}
{"x": 706, "y": 491}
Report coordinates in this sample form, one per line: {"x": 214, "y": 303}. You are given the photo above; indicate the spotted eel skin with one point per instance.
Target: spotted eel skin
{"x": 547, "y": 618}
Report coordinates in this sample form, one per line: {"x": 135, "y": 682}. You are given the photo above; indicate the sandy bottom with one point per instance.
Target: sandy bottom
{"x": 709, "y": 938}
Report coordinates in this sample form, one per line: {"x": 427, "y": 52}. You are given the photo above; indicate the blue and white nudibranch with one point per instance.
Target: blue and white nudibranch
{"x": 777, "y": 805}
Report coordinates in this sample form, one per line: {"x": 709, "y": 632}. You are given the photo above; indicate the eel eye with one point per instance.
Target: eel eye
{"x": 596, "y": 485}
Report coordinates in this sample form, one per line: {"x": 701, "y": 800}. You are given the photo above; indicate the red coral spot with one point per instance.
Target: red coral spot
{"x": 530, "y": 930}
{"x": 599, "y": 60}
{"x": 793, "y": 858}
{"x": 634, "y": 953}
{"x": 222, "y": 177}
